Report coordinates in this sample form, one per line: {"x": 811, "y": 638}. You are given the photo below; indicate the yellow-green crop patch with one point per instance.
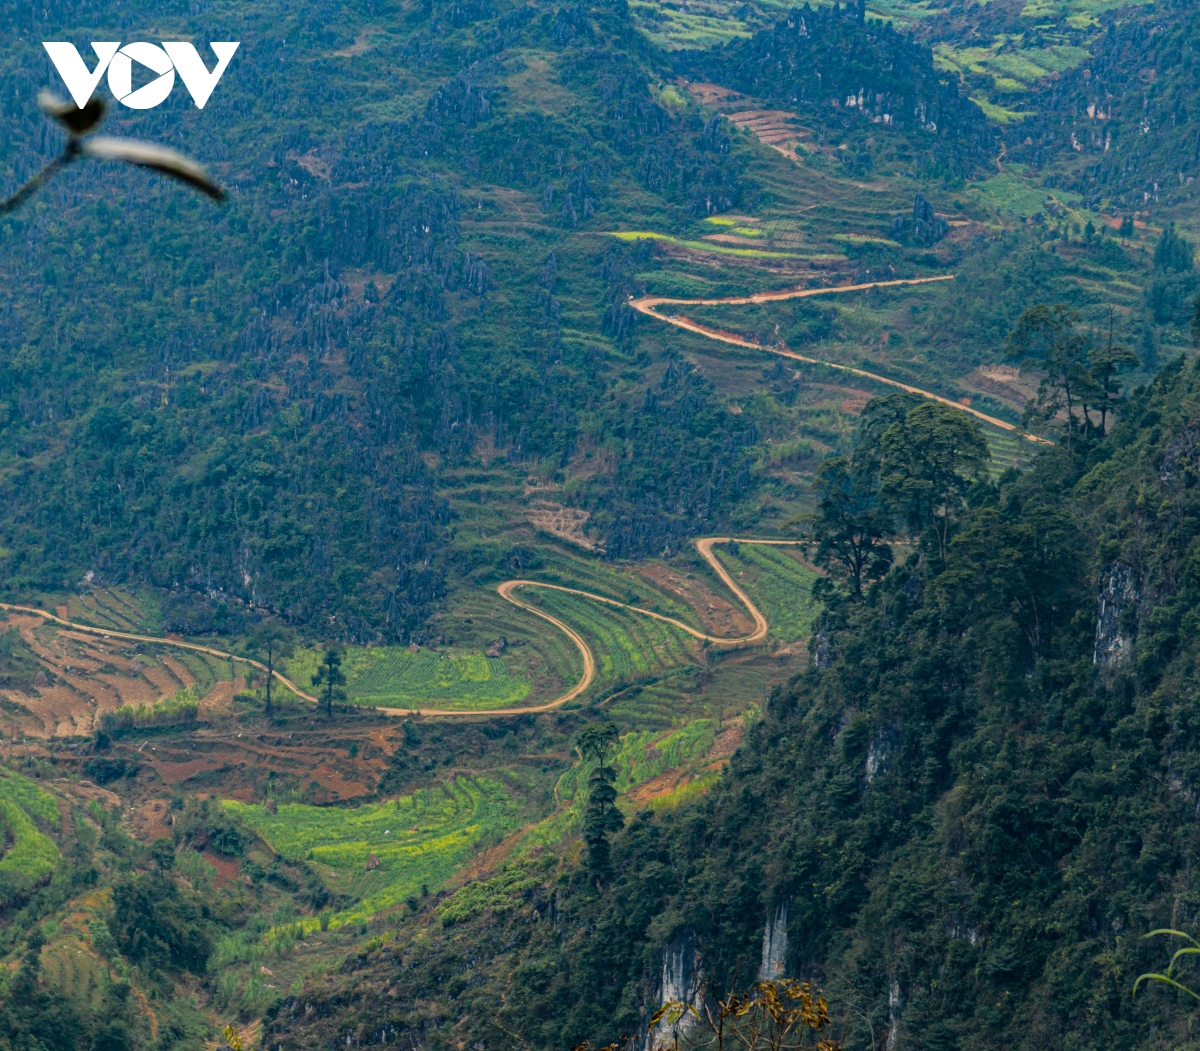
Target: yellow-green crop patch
{"x": 998, "y": 114}
{"x": 1009, "y": 194}
{"x": 627, "y": 645}
{"x": 716, "y": 249}
{"x": 641, "y": 756}
{"x": 498, "y": 895}
{"x": 419, "y": 840}
{"x": 1080, "y": 14}
{"x": 32, "y": 853}
{"x": 865, "y": 239}
{"x": 698, "y": 25}
{"x": 1011, "y": 66}
{"x": 391, "y": 676}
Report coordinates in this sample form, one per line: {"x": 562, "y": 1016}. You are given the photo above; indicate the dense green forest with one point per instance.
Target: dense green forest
{"x": 434, "y": 415}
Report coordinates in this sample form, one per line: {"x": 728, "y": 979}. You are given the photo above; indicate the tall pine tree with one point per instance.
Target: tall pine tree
{"x": 601, "y": 817}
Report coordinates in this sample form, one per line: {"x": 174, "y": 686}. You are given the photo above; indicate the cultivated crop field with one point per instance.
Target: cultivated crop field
{"x": 778, "y": 583}
{"x": 31, "y": 854}
{"x": 640, "y": 756}
{"x": 627, "y": 646}
{"x": 420, "y": 840}
{"x": 397, "y": 677}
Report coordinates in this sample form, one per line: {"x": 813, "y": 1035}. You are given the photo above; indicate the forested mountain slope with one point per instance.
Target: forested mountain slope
{"x": 246, "y": 402}
{"x": 610, "y": 706}
{"x": 819, "y": 61}
{"x": 971, "y": 813}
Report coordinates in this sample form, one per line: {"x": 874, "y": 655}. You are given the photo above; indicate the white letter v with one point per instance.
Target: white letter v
{"x": 80, "y": 83}
{"x": 190, "y": 66}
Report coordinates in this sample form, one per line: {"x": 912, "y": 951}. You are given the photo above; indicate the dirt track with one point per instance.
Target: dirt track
{"x": 648, "y": 305}
{"x": 506, "y": 589}
{"x": 129, "y": 636}
{"x": 704, "y": 546}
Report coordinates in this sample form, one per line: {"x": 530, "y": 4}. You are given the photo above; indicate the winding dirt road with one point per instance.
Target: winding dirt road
{"x": 506, "y": 590}
{"x": 704, "y": 546}
{"x": 108, "y": 633}
{"x": 648, "y": 305}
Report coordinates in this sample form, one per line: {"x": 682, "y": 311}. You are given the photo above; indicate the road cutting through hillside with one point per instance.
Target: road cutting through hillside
{"x": 704, "y": 546}
{"x": 648, "y": 305}
{"x": 195, "y": 647}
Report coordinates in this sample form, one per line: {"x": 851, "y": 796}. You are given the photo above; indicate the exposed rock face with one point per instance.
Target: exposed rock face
{"x": 928, "y": 226}
{"x": 877, "y": 754}
{"x": 823, "y": 652}
{"x": 775, "y": 942}
{"x": 895, "y": 1007}
{"x": 497, "y": 646}
{"x": 1181, "y": 453}
{"x": 682, "y": 983}
{"x": 1118, "y": 592}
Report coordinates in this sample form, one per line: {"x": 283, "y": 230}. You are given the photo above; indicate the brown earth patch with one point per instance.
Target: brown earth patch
{"x": 220, "y": 698}
{"x": 1008, "y": 384}
{"x": 566, "y": 523}
{"x": 719, "y": 616}
{"x": 314, "y": 164}
{"x": 486, "y": 862}
{"x": 227, "y": 870}
{"x": 150, "y": 820}
{"x": 726, "y": 743}
{"x": 85, "y": 676}
{"x": 85, "y": 790}
{"x": 656, "y": 787}
{"x": 244, "y": 762}
{"x": 181, "y": 671}
{"x": 173, "y": 772}
{"x": 853, "y": 404}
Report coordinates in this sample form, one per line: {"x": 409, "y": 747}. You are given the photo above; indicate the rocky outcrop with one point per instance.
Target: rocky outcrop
{"x": 877, "y": 753}
{"x": 775, "y": 943}
{"x": 1118, "y": 593}
{"x": 682, "y": 983}
{"x": 823, "y": 651}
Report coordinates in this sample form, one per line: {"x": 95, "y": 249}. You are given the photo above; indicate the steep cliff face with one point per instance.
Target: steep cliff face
{"x": 1118, "y": 595}
{"x": 682, "y": 984}
{"x": 775, "y": 943}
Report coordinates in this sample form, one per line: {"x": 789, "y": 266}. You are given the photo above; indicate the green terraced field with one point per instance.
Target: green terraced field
{"x": 641, "y": 756}
{"x": 32, "y": 853}
{"x": 1079, "y": 14}
{"x": 1011, "y": 69}
{"x": 396, "y": 677}
{"x": 779, "y": 584}
{"x": 420, "y": 840}
{"x": 627, "y": 646}
{"x": 1008, "y": 194}
{"x": 601, "y": 578}
{"x": 1008, "y": 450}
{"x": 678, "y": 25}
{"x": 717, "y": 249}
